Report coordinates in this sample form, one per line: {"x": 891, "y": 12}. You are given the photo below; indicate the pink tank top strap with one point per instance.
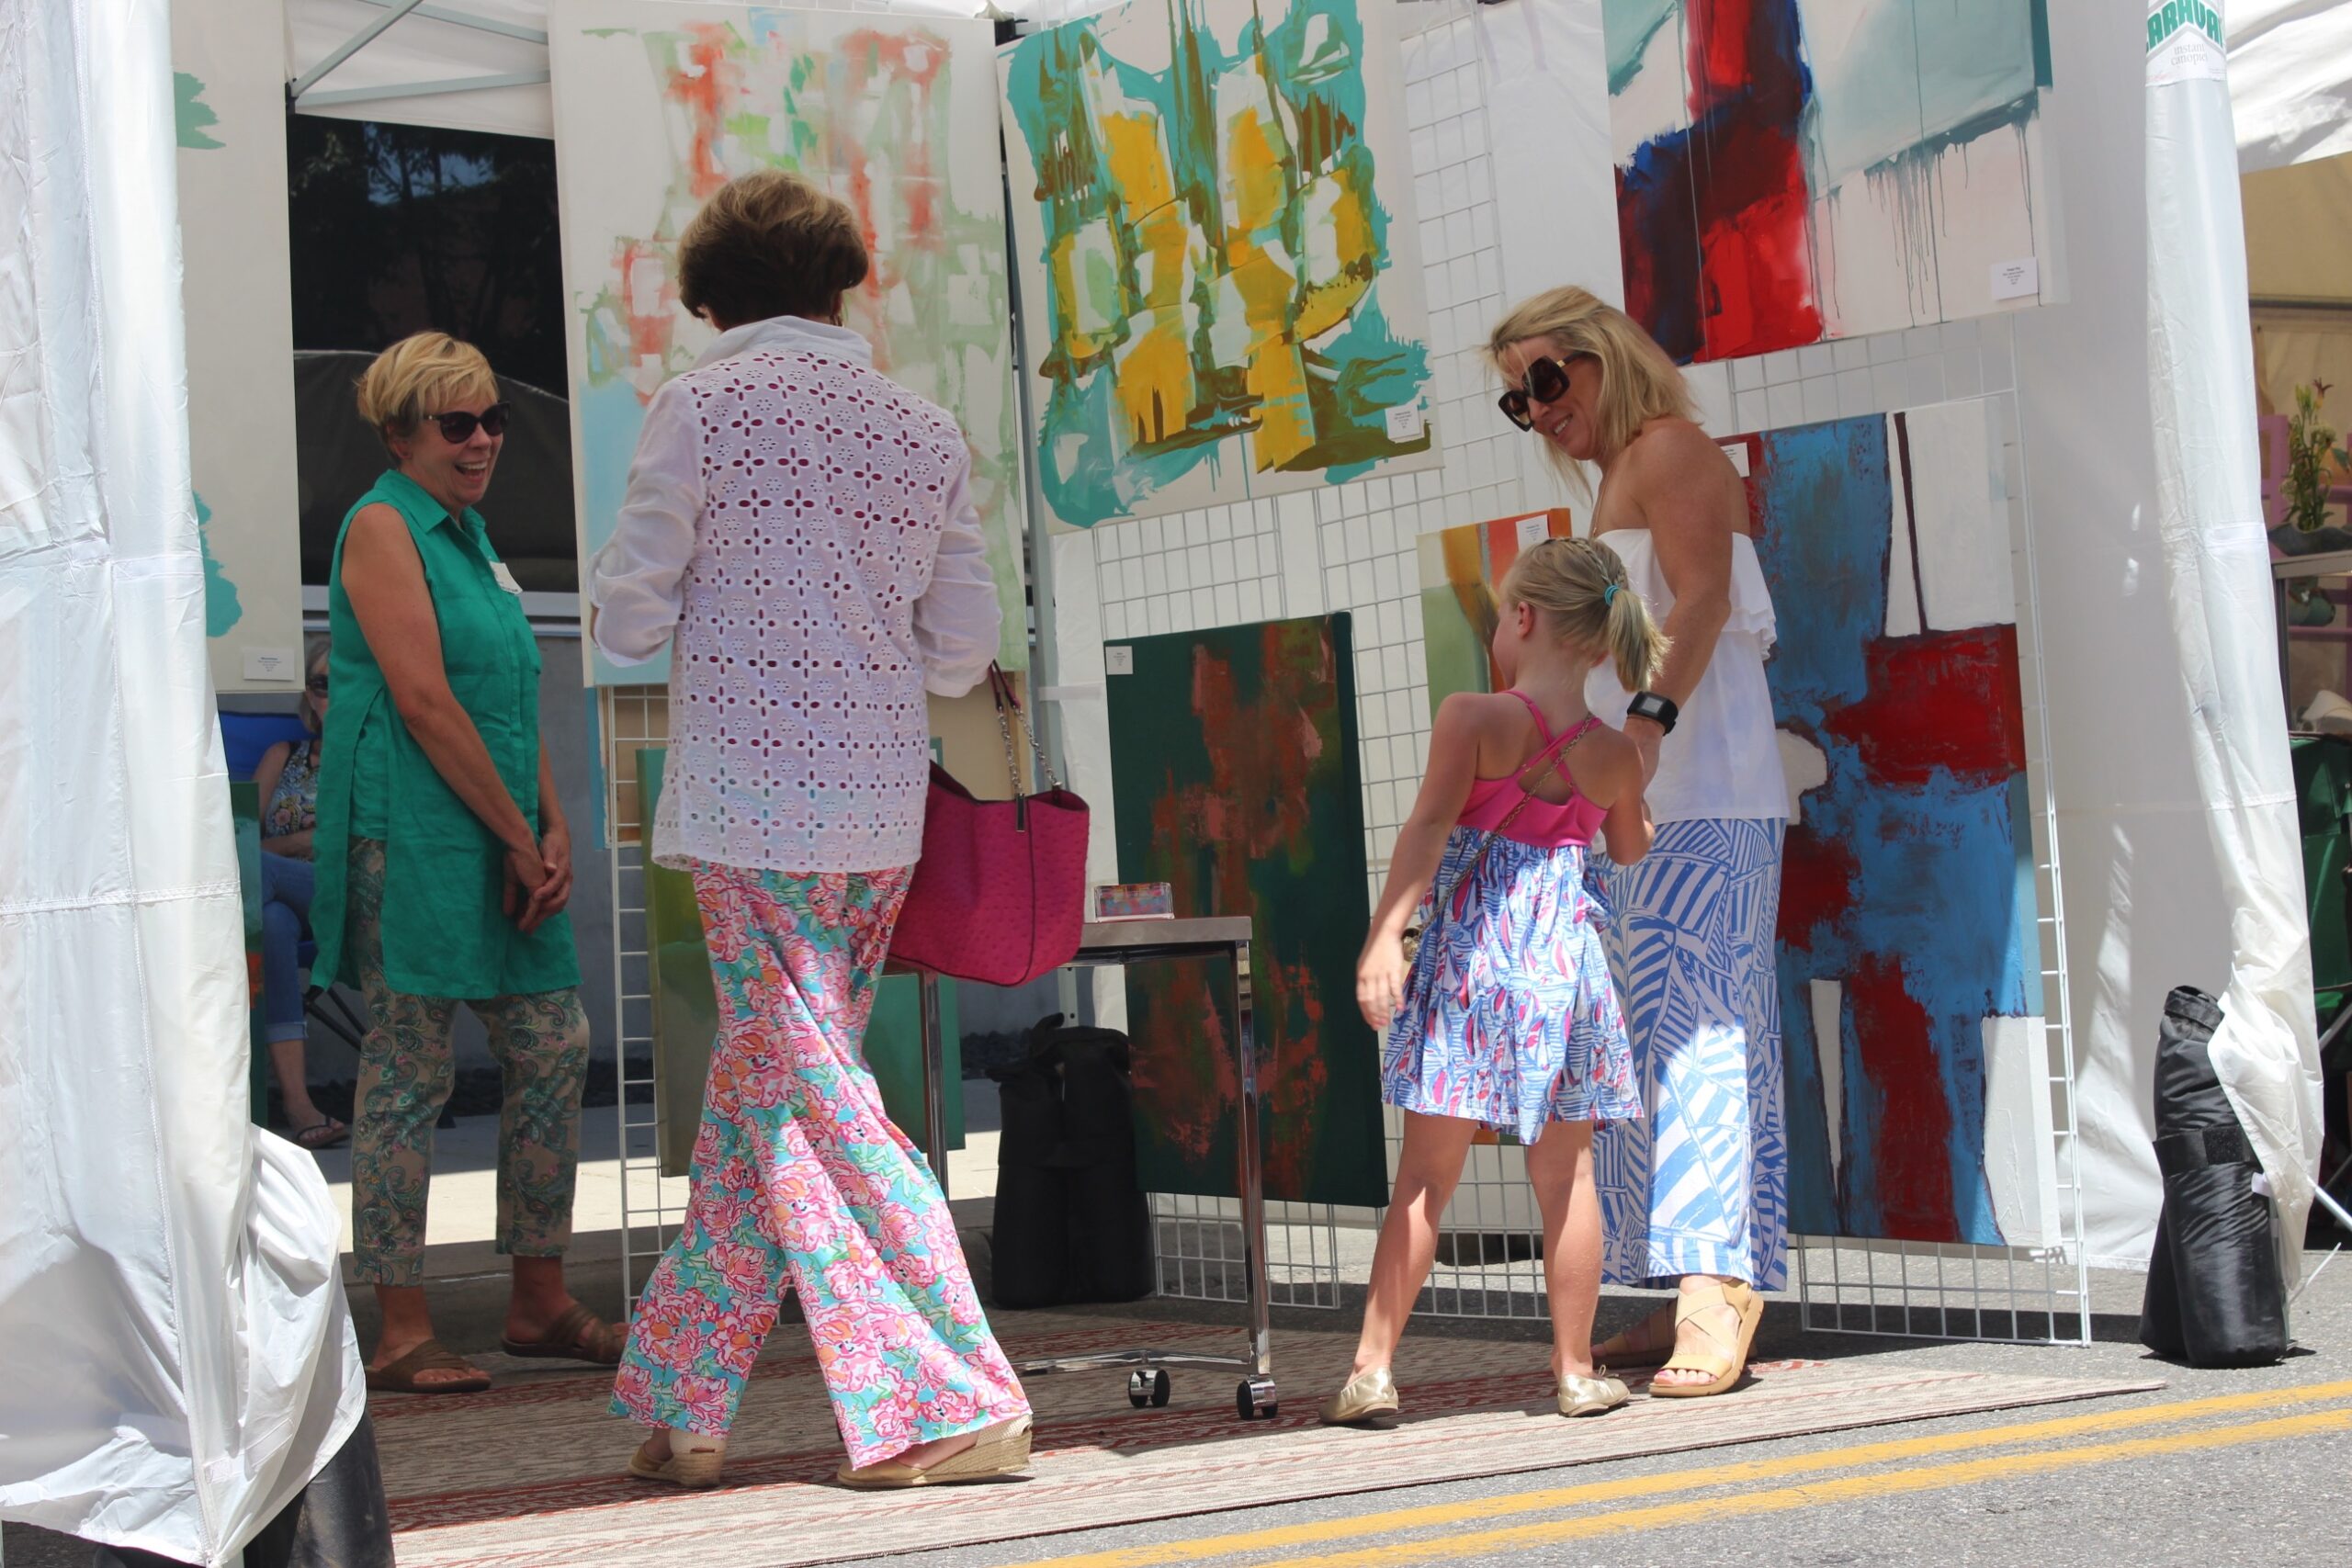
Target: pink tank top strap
{"x": 1536, "y": 714}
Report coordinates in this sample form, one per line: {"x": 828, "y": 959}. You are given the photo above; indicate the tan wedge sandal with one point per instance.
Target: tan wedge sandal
{"x": 1645, "y": 1344}
{"x": 1002, "y": 1449}
{"x": 1725, "y": 1365}
{"x": 692, "y": 1467}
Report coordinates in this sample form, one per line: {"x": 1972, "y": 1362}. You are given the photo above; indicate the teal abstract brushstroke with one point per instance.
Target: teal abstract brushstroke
{"x": 1212, "y": 251}
{"x": 222, "y": 610}
{"x": 191, "y": 113}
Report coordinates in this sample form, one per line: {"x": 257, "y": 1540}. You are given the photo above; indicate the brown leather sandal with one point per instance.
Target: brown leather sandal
{"x": 432, "y": 1355}
{"x": 578, "y": 1335}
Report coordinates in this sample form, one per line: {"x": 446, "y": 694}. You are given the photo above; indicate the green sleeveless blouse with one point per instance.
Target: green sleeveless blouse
{"x": 444, "y": 933}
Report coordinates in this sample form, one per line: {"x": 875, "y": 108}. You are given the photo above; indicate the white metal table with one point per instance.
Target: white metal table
{"x": 1117, "y": 943}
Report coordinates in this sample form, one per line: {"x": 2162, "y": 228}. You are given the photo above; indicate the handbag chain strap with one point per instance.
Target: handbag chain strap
{"x": 1008, "y": 709}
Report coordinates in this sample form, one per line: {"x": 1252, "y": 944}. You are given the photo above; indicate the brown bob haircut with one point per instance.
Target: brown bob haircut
{"x": 767, "y": 244}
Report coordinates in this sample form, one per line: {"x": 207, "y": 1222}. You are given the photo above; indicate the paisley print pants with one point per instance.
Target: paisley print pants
{"x": 407, "y": 1065}
{"x": 801, "y": 1180}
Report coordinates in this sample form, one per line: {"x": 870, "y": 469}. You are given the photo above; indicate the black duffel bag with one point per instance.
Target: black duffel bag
{"x": 2217, "y": 1295}
{"x": 1071, "y": 1224}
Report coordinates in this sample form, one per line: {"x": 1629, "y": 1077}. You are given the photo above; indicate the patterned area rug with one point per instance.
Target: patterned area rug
{"x": 531, "y": 1472}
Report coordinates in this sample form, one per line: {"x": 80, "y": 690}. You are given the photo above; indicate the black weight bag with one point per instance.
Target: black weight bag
{"x": 1071, "y": 1224}
{"x": 2216, "y": 1294}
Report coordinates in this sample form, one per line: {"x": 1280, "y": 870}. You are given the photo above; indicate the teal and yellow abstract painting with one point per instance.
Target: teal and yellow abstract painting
{"x": 1217, "y": 254}
{"x": 659, "y": 105}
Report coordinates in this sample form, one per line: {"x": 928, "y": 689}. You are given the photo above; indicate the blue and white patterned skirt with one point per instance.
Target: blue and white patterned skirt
{"x": 1701, "y": 1185}
{"x": 1510, "y": 1017}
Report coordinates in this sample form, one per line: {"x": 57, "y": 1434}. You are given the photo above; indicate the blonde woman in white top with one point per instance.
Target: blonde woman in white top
{"x": 797, "y": 528}
{"x": 1696, "y": 1192}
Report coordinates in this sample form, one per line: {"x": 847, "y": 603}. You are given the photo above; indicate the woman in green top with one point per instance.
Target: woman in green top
{"x": 443, "y": 865}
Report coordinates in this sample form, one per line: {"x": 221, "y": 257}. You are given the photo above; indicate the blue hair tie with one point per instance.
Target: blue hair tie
{"x": 1608, "y": 595}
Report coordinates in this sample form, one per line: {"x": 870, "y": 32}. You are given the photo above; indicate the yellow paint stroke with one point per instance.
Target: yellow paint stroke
{"x": 1155, "y": 382}
{"x": 1842, "y": 1489}
{"x": 1551, "y": 1499}
{"x": 1276, "y": 377}
{"x": 1328, "y": 301}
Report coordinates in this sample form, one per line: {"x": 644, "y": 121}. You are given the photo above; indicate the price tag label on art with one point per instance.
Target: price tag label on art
{"x": 1119, "y": 660}
{"x": 2017, "y": 280}
{"x": 1534, "y": 531}
{"x": 1405, "y": 421}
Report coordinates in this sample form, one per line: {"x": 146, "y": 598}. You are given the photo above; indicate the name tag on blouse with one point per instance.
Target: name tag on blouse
{"x": 505, "y": 578}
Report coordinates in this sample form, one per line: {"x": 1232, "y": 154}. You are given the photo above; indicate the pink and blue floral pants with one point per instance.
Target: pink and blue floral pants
{"x": 800, "y": 1179}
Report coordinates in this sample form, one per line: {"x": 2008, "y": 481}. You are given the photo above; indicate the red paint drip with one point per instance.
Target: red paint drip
{"x": 1911, "y": 1147}
{"x": 1817, "y": 885}
{"x": 703, "y": 93}
{"x": 1946, "y": 702}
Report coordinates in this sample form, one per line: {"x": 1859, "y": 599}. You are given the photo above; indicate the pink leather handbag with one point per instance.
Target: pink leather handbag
{"x": 999, "y": 892}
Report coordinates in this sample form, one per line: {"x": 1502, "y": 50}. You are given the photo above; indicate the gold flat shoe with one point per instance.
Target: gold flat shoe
{"x": 1591, "y": 1396}
{"x": 1002, "y": 1449}
{"x": 1368, "y": 1393}
{"x": 693, "y": 1469}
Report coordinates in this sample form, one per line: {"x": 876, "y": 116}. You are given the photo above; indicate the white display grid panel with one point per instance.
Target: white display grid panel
{"x": 1352, "y": 547}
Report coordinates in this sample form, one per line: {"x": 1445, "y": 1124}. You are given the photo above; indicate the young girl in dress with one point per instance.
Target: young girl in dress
{"x": 1505, "y": 1018}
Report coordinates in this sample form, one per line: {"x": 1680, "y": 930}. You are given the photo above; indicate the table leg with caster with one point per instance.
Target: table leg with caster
{"x": 1254, "y": 1398}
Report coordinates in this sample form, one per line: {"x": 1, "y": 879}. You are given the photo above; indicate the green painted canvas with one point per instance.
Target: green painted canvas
{"x": 1234, "y": 765}
{"x": 685, "y": 1014}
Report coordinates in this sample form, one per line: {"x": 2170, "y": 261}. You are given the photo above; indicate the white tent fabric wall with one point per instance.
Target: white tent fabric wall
{"x": 2290, "y": 80}
{"x": 2210, "y": 518}
{"x": 180, "y": 1357}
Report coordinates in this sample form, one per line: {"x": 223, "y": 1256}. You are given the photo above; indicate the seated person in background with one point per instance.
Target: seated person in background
{"x": 287, "y": 778}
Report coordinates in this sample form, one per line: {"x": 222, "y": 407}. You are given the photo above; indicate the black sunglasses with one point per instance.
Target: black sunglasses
{"x": 317, "y": 686}
{"x": 1547, "y": 382}
{"x": 458, "y": 428}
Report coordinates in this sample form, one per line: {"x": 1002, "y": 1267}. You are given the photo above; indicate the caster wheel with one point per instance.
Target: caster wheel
{"x": 1161, "y": 1389}
{"x": 1254, "y": 1399}
{"x": 1139, "y": 1389}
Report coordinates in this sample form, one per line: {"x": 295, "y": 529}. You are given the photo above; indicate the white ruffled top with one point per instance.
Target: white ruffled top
{"x": 1723, "y": 760}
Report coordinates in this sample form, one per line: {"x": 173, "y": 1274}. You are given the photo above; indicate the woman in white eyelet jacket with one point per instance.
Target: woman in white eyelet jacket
{"x": 797, "y": 528}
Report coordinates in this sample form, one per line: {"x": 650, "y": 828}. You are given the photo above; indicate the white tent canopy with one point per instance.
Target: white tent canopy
{"x": 2290, "y": 80}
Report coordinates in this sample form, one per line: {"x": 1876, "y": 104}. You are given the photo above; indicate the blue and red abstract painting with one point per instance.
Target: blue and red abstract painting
{"x": 1909, "y": 959}
{"x": 1794, "y": 170}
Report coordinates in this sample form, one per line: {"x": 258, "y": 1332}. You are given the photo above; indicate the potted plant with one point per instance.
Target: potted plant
{"x": 2311, "y": 445}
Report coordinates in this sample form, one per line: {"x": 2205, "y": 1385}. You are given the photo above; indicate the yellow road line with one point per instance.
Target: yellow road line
{"x": 1728, "y": 1474}
{"x": 1842, "y": 1489}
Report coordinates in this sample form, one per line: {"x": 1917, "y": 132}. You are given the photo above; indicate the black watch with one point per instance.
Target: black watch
{"x": 1660, "y": 711}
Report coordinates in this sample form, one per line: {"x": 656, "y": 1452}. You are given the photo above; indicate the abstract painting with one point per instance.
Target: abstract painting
{"x": 229, "y": 110}
{"x": 1910, "y": 959}
{"x": 657, "y": 105}
{"x": 1212, "y": 201}
{"x": 1235, "y": 772}
{"x": 1461, "y": 569}
{"x": 1794, "y": 170}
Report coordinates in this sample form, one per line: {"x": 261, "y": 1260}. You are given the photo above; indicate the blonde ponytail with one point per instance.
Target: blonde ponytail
{"x": 1579, "y": 589}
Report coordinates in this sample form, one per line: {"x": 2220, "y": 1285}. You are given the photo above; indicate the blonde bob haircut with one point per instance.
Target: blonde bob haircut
{"x": 1579, "y": 591}
{"x": 1639, "y": 381}
{"x": 428, "y": 373}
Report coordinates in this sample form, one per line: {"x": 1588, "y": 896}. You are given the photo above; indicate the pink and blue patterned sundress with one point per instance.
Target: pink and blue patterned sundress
{"x": 1510, "y": 1016}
